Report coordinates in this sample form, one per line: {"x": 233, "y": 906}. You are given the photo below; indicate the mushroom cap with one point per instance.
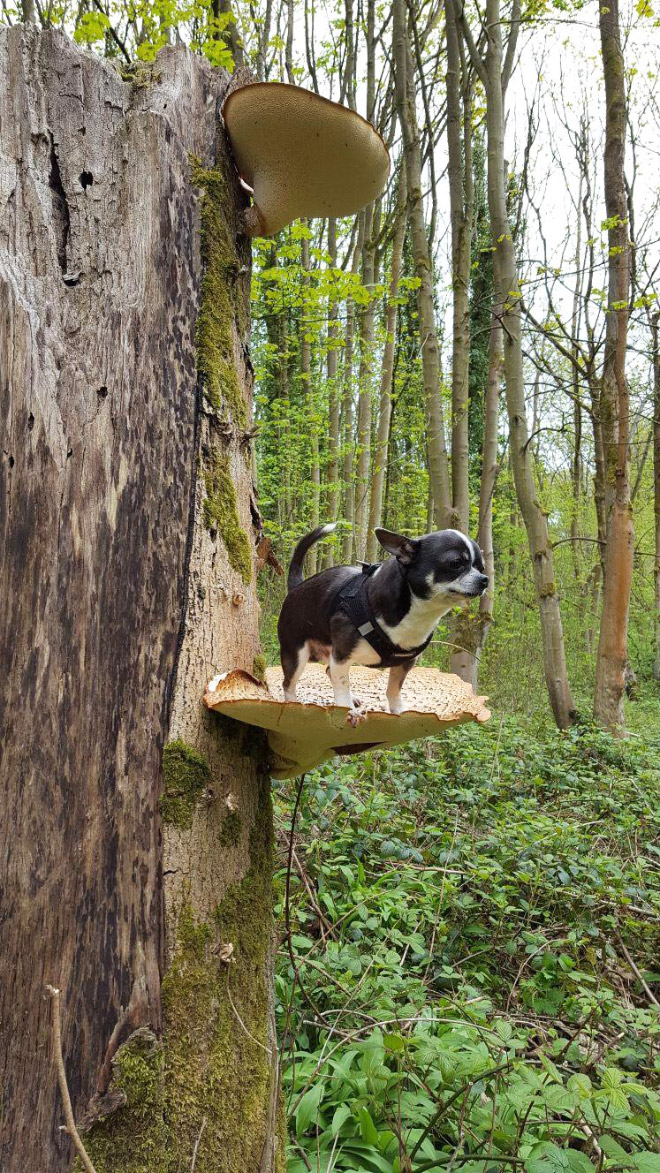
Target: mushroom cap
{"x": 304, "y": 733}
{"x": 302, "y": 155}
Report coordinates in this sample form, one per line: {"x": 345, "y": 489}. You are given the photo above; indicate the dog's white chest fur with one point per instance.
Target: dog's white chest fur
{"x": 421, "y": 620}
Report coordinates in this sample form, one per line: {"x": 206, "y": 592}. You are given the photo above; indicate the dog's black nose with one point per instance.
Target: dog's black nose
{"x": 483, "y": 582}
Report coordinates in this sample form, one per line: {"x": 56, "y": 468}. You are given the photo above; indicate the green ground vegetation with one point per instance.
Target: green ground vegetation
{"x": 475, "y": 925}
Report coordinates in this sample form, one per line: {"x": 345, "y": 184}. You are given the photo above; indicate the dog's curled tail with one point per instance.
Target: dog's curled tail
{"x": 295, "y": 568}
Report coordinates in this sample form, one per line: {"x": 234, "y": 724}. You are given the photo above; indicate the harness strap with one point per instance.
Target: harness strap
{"x": 353, "y": 600}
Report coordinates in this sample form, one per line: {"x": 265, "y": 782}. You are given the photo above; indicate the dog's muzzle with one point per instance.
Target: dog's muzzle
{"x": 475, "y": 586}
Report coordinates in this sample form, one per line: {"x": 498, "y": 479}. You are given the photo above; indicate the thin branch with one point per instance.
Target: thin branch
{"x": 511, "y": 45}
{"x": 194, "y": 1156}
{"x": 475, "y": 57}
{"x": 54, "y": 996}
{"x": 647, "y": 989}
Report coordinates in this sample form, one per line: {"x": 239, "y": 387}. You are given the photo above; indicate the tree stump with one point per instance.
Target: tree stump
{"x": 135, "y": 862}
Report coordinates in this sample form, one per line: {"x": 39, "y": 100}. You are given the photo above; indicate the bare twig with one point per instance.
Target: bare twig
{"x": 242, "y": 1024}
{"x": 194, "y": 1156}
{"x": 54, "y": 996}
{"x": 647, "y": 989}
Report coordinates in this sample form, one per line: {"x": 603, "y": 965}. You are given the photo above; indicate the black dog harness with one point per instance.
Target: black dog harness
{"x": 353, "y": 600}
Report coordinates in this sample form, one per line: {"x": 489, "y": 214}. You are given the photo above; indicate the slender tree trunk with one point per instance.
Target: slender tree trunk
{"x": 311, "y": 407}
{"x": 288, "y": 51}
{"x": 380, "y": 457}
{"x": 348, "y": 413}
{"x": 576, "y": 461}
{"x": 459, "y": 144}
{"x": 367, "y": 316}
{"x": 363, "y": 461}
{"x": 230, "y": 35}
{"x": 333, "y": 487}
{"x": 405, "y": 94}
{"x": 655, "y": 324}
{"x": 125, "y": 520}
{"x": 471, "y": 631}
{"x": 465, "y": 627}
{"x": 494, "y": 70}
{"x": 614, "y": 401}
{"x": 348, "y": 462}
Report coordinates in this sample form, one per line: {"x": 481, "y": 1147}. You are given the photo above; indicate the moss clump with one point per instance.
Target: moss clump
{"x": 209, "y": 1072}
{"x": 221, "y": 513}
{"x": 216, "y": 358}
{"x": 230, "y": 831}
{"x": 186, "y": 774}
{"x": 133, "y": 1137}
{"x": 259, "y": 665}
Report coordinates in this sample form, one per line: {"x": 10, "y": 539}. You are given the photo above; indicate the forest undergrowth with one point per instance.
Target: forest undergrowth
{"x": 468, "y": 967}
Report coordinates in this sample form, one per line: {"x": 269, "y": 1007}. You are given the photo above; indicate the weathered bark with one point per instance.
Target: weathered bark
{"x": 614, "y": 399}
{"x": 405, "y": 95}
{"x": 125, "y": 510}
{"x": 381, "y": 448}
{"x": 494, "y": 70}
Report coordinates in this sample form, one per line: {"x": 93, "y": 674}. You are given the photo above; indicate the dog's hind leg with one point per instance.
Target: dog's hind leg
{"x": 293, "y": 665}
{"x": 339, "y": 677}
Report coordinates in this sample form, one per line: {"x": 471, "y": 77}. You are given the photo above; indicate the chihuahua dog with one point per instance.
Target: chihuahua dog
{"x": 381, "y": 615}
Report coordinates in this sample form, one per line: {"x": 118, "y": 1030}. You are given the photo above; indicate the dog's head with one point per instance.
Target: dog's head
{"x": 438, "y": 565}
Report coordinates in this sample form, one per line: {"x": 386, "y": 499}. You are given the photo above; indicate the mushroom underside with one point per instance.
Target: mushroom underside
{"x": 306, "y": 732}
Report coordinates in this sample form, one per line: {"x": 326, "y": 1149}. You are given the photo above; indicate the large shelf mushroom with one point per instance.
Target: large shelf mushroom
{"x": 304, "y": 733}
{"x": 302, "y": 155}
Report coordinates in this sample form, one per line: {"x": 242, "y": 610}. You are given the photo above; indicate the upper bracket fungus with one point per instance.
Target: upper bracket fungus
{"x": 304, "y": 733}
{"x": 302, "y": 155}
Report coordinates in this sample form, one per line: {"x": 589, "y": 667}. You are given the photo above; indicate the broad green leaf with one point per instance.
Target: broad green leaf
{"x": 308, "y": 1108}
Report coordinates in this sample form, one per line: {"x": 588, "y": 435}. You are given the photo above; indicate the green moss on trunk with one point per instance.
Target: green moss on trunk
{"x": 219, "y": 307}
{"x": 212, "y": 1079}
{"x": 186, "y": 775}
{"x": 221, "y": 513}
{"x": 259, "y": 665}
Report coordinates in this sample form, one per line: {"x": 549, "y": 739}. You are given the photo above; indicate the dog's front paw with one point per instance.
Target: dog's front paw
{"x": 395, "y": 707}
{"x": 357, "y": 714}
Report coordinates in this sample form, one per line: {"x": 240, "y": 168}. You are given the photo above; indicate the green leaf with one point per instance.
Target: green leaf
{"x": 367, "y": 1127}
{"x": 341, "y": 1115}
{"x": 579, "y": 1161}
{"x": 307, "y": 1109}
{"x": 647, "y": 1162}
{"x": 547, "y": 1157}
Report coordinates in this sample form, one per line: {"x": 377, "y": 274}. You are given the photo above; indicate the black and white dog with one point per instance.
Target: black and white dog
{"x": 381, "y": 616}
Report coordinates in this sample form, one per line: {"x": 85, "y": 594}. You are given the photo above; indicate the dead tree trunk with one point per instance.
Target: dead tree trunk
{"x": 136, "y": 827}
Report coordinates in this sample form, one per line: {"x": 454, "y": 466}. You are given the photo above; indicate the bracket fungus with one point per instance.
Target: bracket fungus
{"x": 302, "y": 155}
{"x": 304, "y": 733}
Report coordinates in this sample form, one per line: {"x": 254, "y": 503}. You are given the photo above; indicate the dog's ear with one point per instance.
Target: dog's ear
{"x": 403, "y": 548}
